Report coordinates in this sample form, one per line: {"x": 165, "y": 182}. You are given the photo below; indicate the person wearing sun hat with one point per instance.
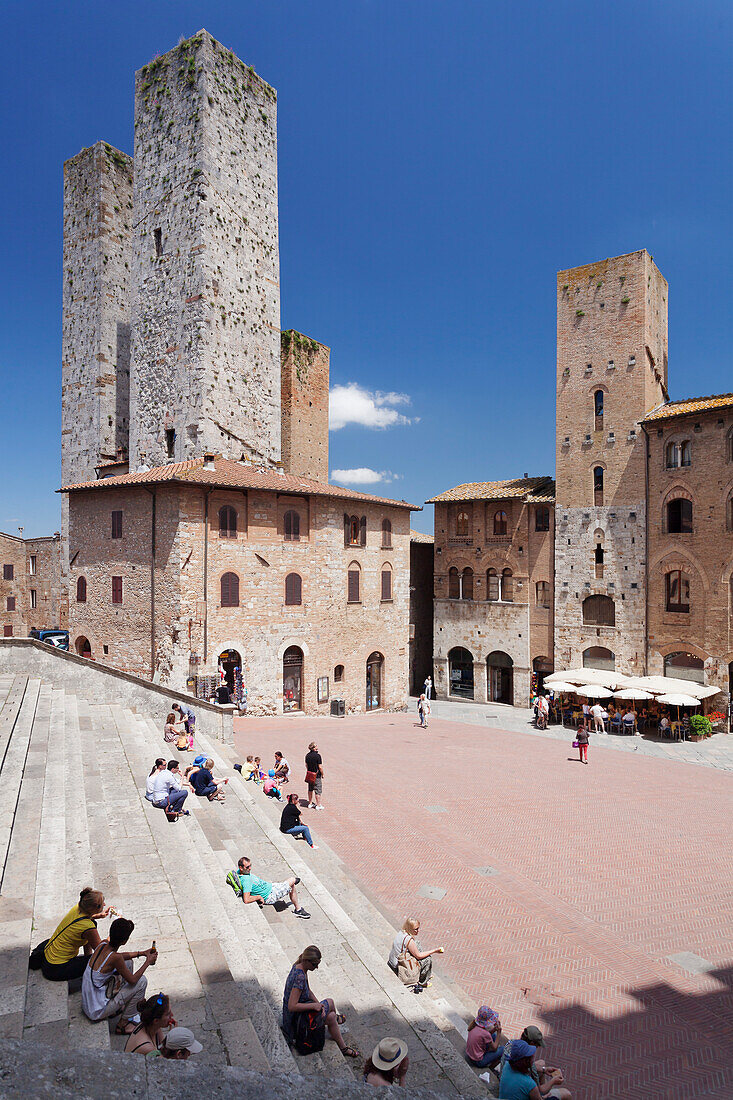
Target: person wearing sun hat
{"x": 547, "y": 1079}
{"x": 482, "y": 1042}
{"x": 180, "y": 1043}
{"x": 388, "y": 1064}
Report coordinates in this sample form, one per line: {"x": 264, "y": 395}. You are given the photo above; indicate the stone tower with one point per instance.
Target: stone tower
{"x": 611, "y": 370}
{"x": 305, "y": 371}
{"x": 95, "y": 369}
{"x": 205, "y": 372}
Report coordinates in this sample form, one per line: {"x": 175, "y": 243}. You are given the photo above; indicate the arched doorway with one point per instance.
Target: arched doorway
{"x": 460, "y": 672}
{"x": 500, "y": 677}
{"x": 375, "y": 661}
{"x": 83, "y": 646}
{"x": 229, "y": 660}
{"x": 685, "y": 666}
{"x": 541, "y": 667}
{"x": 292, "y": 679}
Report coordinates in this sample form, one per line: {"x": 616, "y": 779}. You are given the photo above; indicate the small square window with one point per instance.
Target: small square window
{"x": 7, "y": 632}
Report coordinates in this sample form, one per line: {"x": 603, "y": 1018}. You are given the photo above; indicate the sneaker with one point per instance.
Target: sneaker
{"x": 302, "y": 913}
{"x": 314, "y": 847}
{"x": 233, "y": 881}
{"x": 297, "y": 881}
{"x": 320, "y": 806}
{"x": 312, "y": 806}
{"x": 417, "y": 989}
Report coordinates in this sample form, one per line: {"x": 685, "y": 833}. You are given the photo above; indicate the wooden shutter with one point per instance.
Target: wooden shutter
{"x": 81, "y": 590}
{"x": 11, "y": 603}
{"x": 386, "y": 584}
{"x": 230, "y": 590}
{"x": 353, "y": 591}
{"x": 492, "y": 585}
{"x": 293, "y": 589}
{"x": 117, "y": 525}
{"x": 386, "y": 534}
{"x": 117, "y": 590}
{"x": 454, "y": 588}
{"x": 347, "y": 528}
{"x": 467, "y": 592}
{"x": 362, "y": 531}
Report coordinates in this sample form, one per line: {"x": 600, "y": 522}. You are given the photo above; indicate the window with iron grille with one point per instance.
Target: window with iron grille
{"x": 117, "y": 590}
{"x": 230, "y": 590}
{"x": 227, "y": 522}
{"x": 293, "y": 589}
{"x": 81, "y": 590}
{"x": 354, "y": 583}
{"x": 117, "y": 525}
{"x": 292, "y": 526}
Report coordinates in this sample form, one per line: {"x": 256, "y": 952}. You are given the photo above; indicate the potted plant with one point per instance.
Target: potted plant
{"x": 717, "y": 718}
{"x": 700, "y": 727}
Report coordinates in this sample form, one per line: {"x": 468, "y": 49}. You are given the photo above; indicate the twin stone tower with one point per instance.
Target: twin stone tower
{"x": 171, "y": 295}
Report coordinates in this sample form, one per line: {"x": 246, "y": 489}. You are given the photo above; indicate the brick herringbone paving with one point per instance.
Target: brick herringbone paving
{"x": 598, "y": 875}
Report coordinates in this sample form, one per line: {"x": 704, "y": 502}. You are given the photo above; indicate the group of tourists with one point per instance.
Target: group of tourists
{"x": 167, "y": 787}
{"x": 111, "y": 987}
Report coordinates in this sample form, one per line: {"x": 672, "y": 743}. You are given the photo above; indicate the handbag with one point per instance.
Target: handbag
{"x": 408, "y": 967}
{"x": 310, "y": 778}
{"x": 576, "y": 744}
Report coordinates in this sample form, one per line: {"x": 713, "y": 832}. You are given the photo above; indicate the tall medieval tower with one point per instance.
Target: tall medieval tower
{"x": 205, "y": 373}
{"x": 611, "y": 371}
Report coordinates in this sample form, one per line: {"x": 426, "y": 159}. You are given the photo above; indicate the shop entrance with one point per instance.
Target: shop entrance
{"x": 500, "y": 668}
{"x": 460, "y": 671}
{"x": 229, "y": 661}
{"x": 292, "y": 679}
{"x": 374, "y": 681}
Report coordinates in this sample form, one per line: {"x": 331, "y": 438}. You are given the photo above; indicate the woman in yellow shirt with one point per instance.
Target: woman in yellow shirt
{"x": 61, "y": 961}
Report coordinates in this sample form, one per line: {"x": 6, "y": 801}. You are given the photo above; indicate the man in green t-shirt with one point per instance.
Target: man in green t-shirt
{"x": 253, "y": 888}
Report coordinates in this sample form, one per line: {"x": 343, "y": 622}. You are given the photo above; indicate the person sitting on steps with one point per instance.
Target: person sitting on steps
{"x": 270, "y": 787}
{"x": 290, "y": 821}
{"x": 179, "y": 1044}
{"x": 482, "y": 1044}
{"x": 155, "y": 1018}
{"x": 251, "y": 888}
{"x": 109, "y": 986}
{"x": 298, "y": 997}
{"x": 548, "y": 1079}
{"x": 282, "y": 768}
{"x": 167, "y": 792}
{"x": 388, "y": 1064}
{"x": 158, "y": 766}
{"x": 204, "y": 783}
{"x": 60, "y": 958}
{"x": 406, "y": 945}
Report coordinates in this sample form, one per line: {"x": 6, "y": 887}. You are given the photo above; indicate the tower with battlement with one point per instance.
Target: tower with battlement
{"x": 205, "y": 371}
{"x": 611, "y": 371}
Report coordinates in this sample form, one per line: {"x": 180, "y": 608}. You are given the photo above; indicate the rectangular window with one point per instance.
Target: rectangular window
{"x": 117, "y": 525}
{"x": 170, "y": 442}
{"x": 7, "y": 572}
{"x": 158, "y": 238}
{"x": 353, "y": 591}
{"x": 386, "y": 584}
{"x": 7, "y": 632}
{"x": 117, "y": 590}
{"x": 34, "y": 599}
{"x": 32, "y": 565}
{"x": 10, "y": 603}
{"x": 677, "y": 591}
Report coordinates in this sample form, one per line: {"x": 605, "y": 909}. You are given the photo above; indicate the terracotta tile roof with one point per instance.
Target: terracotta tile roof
{"x": 236, "y": 475}
{"x": 535, "y": 489}
{"x": 420, "y": 536}
{"x": 692, "y": 405}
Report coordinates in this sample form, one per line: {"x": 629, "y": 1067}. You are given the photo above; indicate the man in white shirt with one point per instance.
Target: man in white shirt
{"x": 598, "y": 714}
{"x": 167, "y": 794}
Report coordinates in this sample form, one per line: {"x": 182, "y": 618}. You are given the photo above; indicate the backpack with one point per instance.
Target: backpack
{"x": 310, "y": 1032}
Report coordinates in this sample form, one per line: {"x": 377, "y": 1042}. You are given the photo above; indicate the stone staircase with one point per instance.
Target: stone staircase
{"x": 74, "y": 813}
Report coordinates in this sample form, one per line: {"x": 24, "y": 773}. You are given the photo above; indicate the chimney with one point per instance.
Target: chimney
{"x": 526, "y": 476}
{"x": 209, "y": 461}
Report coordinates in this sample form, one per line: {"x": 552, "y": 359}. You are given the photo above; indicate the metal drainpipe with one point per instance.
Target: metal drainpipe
{"x": 152, "y": 581}
{"x": 206, "y": 560}
{"x": 646, "y": 550}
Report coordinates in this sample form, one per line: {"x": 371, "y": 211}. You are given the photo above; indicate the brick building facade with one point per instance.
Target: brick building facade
{"x": 642, "y": 576}
{"x": 421, "y": 610}
{"x": 32, "y": 596}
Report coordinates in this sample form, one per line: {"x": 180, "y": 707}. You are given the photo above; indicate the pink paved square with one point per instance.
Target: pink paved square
{"x": 602, "y": 873}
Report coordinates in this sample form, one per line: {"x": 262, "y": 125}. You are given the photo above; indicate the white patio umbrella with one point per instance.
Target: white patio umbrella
{"x": 593, "y": 691}
{"x": 560, "y": 686}
{"x": 632, "y": 693}
{"x": 678, "y": 700}
{"x": 589, "y": 676}
{"x": 663, "y": 685}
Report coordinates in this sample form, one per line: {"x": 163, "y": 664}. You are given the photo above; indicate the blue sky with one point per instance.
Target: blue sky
{"x": 438, "y": 163}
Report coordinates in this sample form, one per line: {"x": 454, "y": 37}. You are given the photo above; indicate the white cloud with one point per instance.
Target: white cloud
{"x": 352, "y": 404}
{"x": 363, "y": 475}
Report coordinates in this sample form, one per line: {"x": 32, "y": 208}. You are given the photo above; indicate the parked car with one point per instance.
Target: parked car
{"x": 59, "y": 639}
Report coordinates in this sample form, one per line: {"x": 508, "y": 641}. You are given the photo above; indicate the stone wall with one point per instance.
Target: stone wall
{"x": 36, "y": 569}
{"x": 421, "y": 613}
{"x": 304, "y": 390}
{"x": 612, "y": 338}
{"x": 705, "y": 554}
{"x": 206, "y": 301}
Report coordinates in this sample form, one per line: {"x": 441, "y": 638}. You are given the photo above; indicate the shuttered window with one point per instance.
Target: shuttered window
{"x": 230, "y": 590}
{"x": 292, "y": 526}
{"x": 599, "y": 611}
{"x": 293, "y": 589}
{"x": 227, "y": 522}
{"x": 492, "y": 584}
{"x": 117, "y": 588}
{"x": 117, "y": 525}
{"x": 500, "y": 523}
{"x": 7, "y": 572}
{"x": 354, "y": 584}
{"x": 81, "y": 590}
{"x": 454, "y": 584}
{"x": 10, "y": 603}
{"x": 386, "y": 534}
{"x": 387, "y": 584}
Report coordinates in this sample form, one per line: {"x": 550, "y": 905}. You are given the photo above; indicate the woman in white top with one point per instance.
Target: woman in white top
{"x": 405, "y": 942}
{"x": 108, "y": 985}
{"x": 158, "y": 766}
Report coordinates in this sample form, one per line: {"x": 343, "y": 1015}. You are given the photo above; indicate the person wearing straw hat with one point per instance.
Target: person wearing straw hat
{"x": 388, "y": 1064}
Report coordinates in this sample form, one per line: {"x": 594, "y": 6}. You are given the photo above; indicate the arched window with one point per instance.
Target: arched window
{"x": 293, "y": 590}
{"x": 729, "y": 446}
{"x": 542, "y": 518}
{"x": 679, "y": 516}
{"x": 599, "y": 657}
{"x": 81, "y": 590}
{"x": 386, "y": 582}
{"x": 729, "y": 513}
{"x": 598, "y": 485}
{"x": 386, "y": 534}
{"x": 354, "y": 531}
{"x": 291, "y": 524}
{"x": 599, "y": 611}
{"x": 542, "y": 593}
{"x": 598, "y": 409}
{"x": 672, "y": 459}
{"x": 353, "y": 588}
{"x": 507, "y": 585}
{"x": 598, "y": 556}
{"x": 454, "y": 584}
{"x": 227, "y": 522}
{"x": 492, "y": 584}
{"x": 467, "y": 584}
{"x": 338, "y": 674}
{"x": 685, "y": 453}
{"x": 230, "y": 590}
{"x": 500, "y": 524}
{"x": 676, "y": 591}
{"x": 462, "y": 523}
{"x": 684, "y": 666}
